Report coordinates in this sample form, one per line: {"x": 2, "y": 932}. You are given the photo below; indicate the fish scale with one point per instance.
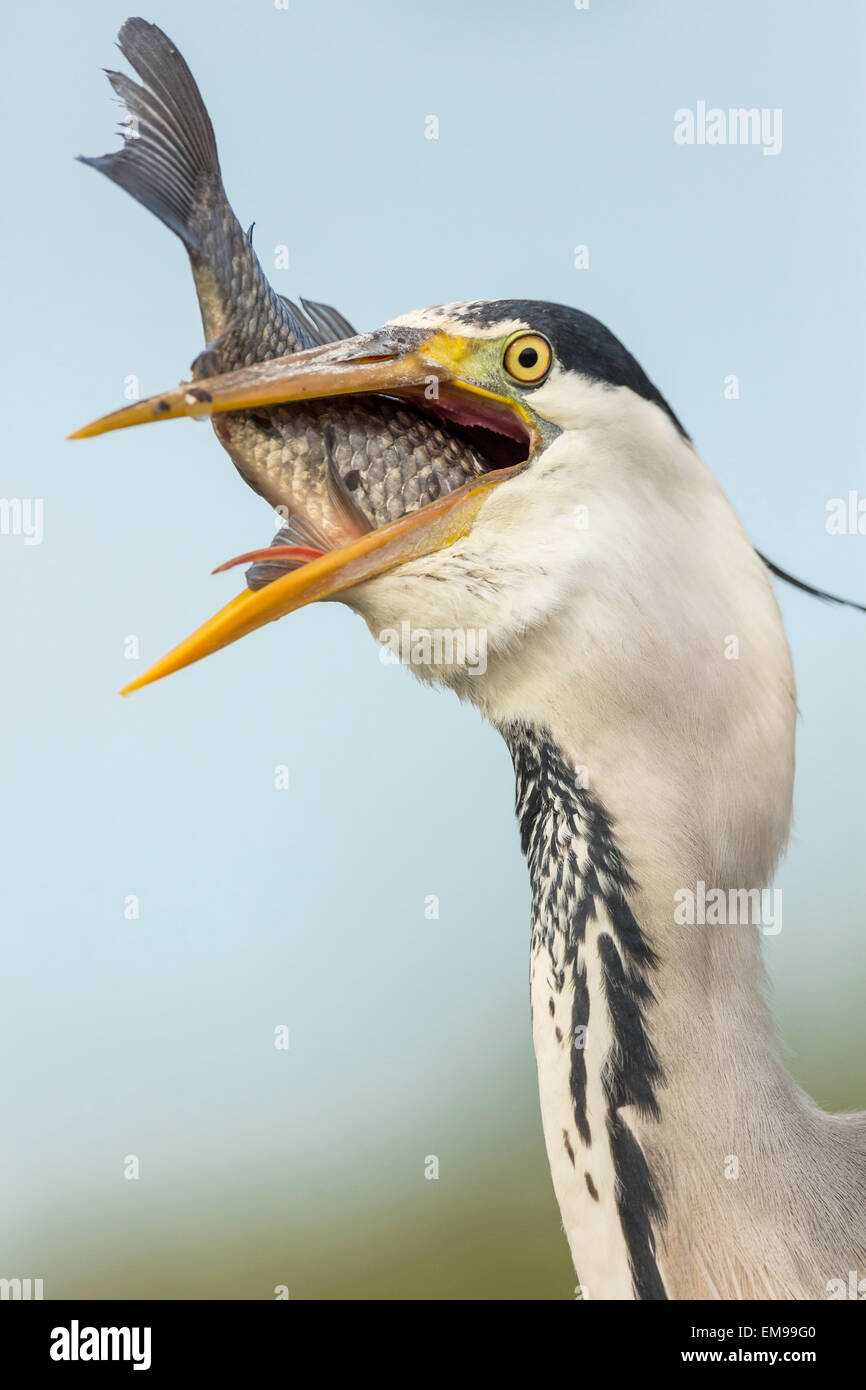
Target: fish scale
{"x": 391, "y": 458}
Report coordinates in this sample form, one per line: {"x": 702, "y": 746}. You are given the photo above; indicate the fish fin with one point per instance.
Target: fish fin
{"x": 300, "y": 533}
{"x": 214, "y": 356}
{"x": 209, "y": 361}
{"x": 329, "y": 321}
{"x": 352, "y": 519}
{"x": 300, "y": 530}
{"x": 170, "y": 152}
{"x": 320, "y": 321}
{"x": 313, "y": 330}
{"x": 809, "y": 588}
{"x": 266, "y": 571}
{"x": 304, "y": 322}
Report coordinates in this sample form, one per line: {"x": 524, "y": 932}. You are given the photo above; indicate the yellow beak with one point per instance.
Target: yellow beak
{"x": 371, "y": 363}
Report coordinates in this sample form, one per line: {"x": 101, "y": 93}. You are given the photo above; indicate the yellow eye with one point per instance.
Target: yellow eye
{"x": 527, "y": 358}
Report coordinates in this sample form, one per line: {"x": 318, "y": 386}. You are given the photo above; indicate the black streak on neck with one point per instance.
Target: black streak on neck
{"x": 552, "y": 809}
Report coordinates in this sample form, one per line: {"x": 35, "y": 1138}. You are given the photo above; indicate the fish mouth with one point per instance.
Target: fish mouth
{"x": 431, "y": 372}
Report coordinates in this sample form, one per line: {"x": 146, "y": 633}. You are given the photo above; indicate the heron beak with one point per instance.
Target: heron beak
{"x": 428, "y": 370}
{"x": 396, "y": 362}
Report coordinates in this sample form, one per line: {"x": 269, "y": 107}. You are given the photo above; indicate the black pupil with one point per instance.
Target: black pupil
{"x": 528, "y": 357}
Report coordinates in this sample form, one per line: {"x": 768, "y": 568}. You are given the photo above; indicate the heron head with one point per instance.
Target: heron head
{"x": 596, "y": 539}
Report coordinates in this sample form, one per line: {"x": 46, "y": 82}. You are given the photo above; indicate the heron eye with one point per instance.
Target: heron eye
{"x": 527, "y": 358}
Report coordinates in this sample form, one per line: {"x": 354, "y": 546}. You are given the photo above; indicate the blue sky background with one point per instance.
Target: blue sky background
{"x": 305, "y": 907}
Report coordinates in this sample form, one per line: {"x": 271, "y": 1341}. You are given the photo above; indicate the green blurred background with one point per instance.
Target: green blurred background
{"x": 153, "y": 1036}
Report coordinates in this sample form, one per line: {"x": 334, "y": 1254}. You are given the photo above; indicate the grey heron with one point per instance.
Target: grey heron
{"x": 639, "y": 673}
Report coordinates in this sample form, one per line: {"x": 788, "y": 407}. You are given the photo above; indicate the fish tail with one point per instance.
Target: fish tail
{"x": 169, "y": 161}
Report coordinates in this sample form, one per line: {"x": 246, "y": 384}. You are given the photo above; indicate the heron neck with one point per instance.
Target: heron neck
{"x": 639, "y": 1023}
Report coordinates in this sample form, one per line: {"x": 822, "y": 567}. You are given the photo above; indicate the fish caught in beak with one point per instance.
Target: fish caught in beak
{"x": 434, "y": 374}
{"x": 374, "y": 449}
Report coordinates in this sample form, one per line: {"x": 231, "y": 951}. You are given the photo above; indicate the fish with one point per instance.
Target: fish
{"x": 332, "y": 469}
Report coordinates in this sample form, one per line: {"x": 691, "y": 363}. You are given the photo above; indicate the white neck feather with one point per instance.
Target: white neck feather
{"x": 632, "y": 627}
